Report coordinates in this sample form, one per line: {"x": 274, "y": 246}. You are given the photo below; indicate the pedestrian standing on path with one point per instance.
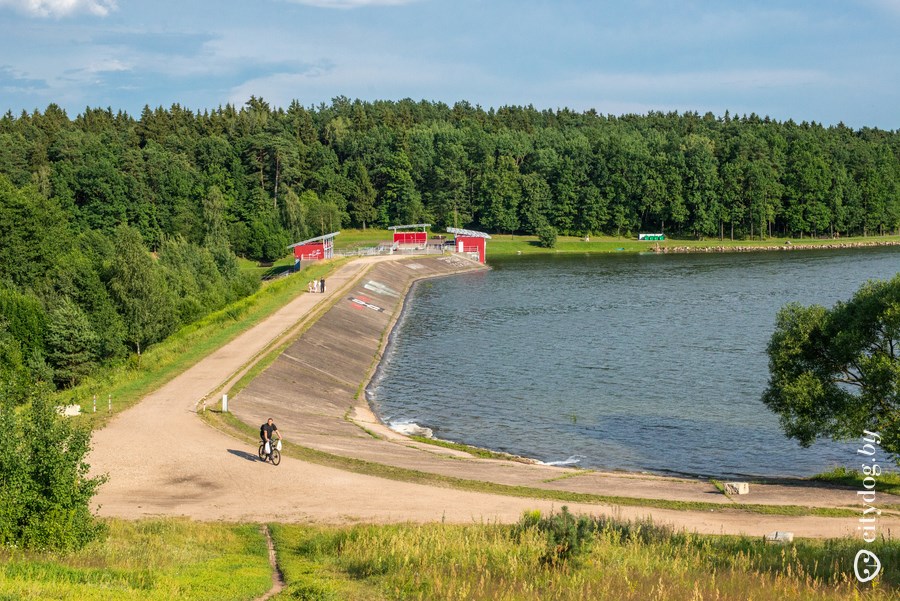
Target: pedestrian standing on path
{"x": 322, "y": 285}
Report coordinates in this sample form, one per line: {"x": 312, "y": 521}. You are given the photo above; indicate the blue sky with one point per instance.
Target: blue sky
{"x": 825, "y": 60}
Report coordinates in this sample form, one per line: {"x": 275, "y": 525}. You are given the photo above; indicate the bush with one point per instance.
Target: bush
{"x": 547, "y": 236}
{"x": 45, "y": 493}
{"x": 566, "y": 534}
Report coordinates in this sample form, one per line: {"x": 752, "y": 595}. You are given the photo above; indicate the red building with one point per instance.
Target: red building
{"x": 407, "y": 234}
{"x": 321, "y": 247}
{"x": 470, "y": 241}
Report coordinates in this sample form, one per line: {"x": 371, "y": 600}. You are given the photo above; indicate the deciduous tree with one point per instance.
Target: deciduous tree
{"x": 836, "y": 372}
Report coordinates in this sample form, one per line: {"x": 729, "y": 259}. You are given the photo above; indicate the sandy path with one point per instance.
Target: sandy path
{"x": 163, "y": 460}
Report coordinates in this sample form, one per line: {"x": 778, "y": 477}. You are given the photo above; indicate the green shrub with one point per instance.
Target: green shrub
{"x": 565, "y": 533}
{"x": 45, "y": 491}
{"x": 547, "y": 236}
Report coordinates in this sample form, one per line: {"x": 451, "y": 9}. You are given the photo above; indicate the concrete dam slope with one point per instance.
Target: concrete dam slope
{"x": 316, "y": 384}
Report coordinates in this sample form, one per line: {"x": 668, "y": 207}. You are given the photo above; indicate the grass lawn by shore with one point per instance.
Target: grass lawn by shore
{"x": 888, "y": 482}
{"x": 506, "y": 244}
{"x": 510, "y": 244}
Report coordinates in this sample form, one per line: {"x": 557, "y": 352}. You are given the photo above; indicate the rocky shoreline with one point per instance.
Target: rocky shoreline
{"x": 774, "y": 247}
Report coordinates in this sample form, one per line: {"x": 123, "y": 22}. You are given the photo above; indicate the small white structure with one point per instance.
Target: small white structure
{"x": 737, "y": 488}
{"x": 69, "y": 410}
{"x": 781, "y": 537}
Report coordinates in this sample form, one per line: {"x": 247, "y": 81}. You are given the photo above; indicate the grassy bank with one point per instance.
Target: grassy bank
{"x": 887, "y": 482}
{"x": 127, "y": 383}
{"x": 619, "y": 561}
{"x": 148, "y": 561}
{"x": 505, "y": 244}
{"x": 509, "y": 244}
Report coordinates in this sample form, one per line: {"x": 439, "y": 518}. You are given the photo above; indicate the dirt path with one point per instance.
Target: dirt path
{"x": 163, "y": 460}
{"x": 277, "y": 576}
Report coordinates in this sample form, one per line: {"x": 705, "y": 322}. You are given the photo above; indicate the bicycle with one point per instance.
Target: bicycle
{"x": 275, "y": 455}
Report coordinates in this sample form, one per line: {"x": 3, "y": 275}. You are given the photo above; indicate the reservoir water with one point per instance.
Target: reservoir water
{"x": 638, "y": 362}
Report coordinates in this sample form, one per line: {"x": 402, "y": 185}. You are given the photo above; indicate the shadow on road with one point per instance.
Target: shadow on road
{"x": 244, "y": 455}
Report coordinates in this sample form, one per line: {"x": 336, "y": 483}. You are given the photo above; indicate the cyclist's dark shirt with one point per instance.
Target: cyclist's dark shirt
{"x": 267, "y": 429}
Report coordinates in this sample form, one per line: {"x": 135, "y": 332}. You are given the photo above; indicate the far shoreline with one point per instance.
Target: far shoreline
{"x": 510, "y": 245}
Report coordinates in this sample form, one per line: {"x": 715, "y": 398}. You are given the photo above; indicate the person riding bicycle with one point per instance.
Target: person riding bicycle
{"x": 265, "y": 433}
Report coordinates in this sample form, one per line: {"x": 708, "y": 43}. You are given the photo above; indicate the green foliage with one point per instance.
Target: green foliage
{"x": 836, "y": 372}
{"x": 15, "y": 376}
{"x": 566, "y": 534}
{"x": 25, "y": 319}
{"x": 547, "y": 236}
{"x": 239, "y": 175}
{"x": 34, "y": 233}
{"x": 45, "y": 491}
{"x": 72, "y": 345}
{"x": 140, "y": 291}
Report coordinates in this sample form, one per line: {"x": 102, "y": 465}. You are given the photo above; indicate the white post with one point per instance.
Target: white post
{"x": 108, "y": 403}
{"x": 224, "y": 403}
{"x": 95, "y": 403}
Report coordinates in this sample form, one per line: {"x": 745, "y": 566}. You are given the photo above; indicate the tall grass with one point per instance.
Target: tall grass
{"x": 149, "y": 560}
{"x": 620, "y": 561}
{"x": 887, "y": 482}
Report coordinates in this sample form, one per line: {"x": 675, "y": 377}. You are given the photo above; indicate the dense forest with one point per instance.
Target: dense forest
{"x": 118, "y": 229}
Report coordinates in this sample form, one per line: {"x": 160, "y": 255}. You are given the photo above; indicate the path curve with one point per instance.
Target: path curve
{"x": 162, "y": 460}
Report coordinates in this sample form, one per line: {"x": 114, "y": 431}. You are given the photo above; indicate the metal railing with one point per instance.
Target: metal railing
{"x": 370, "y": 251}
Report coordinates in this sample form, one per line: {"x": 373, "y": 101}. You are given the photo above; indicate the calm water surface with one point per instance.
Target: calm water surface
{"x": 637, "y": 362}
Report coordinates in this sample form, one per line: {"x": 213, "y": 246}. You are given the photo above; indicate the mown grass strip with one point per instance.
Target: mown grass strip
{"x": 515, "y": 244}
{"x": 886, "y": 482}
{"x": 231, "y": 425}
{"x": 506, "y": 244}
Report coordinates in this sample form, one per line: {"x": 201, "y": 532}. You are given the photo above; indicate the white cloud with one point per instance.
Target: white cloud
{"x": 371, "y": 77}
{"x": 351, "y": 3}
{"x": 61, "y": 8}
{"x": 892, "y": 6}
{"x": 706, "y": 81}
{"x": 107, "y": 65}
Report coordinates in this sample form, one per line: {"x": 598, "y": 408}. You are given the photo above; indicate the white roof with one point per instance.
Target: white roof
{"x": 468, "y": 233}
{"x": 316, "y": 239}
{"x": 407, "y": 227}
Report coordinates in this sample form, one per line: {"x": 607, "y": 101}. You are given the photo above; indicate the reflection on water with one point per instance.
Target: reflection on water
{"x": 636, "y": 362}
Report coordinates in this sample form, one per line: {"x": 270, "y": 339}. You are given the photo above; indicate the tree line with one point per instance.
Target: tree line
{"x": 74, "y": 298}
{"x": 260, "y": 178}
